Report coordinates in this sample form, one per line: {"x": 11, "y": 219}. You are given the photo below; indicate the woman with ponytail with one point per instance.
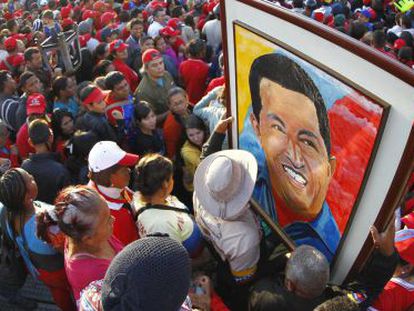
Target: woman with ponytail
{"x": 160, "y": 212}
{"x": 18, "y": 191}
{"x": 83, "y": 216}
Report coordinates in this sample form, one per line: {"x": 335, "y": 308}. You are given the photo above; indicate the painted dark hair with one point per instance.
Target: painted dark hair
{"x": 288, "y": 74}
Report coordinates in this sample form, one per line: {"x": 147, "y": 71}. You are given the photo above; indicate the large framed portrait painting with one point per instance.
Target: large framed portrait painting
{"x": 316, "y": 130}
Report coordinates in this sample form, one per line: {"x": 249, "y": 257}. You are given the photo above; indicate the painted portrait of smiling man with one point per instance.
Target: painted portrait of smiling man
{"x": 313, "y": 136}
{"x": 290, "y": 121}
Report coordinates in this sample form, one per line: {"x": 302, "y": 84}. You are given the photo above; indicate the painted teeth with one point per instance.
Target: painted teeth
{"x": 297, "y": 177}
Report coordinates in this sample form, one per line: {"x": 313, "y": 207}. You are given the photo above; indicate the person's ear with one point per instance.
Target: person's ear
{"x": 332, "y": 165}
{"x": 255, "y": 124}
{"x": 30, "y": 142}
{"x": 290, "y": 286}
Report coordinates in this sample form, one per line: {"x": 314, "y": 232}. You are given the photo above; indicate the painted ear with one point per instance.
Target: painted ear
{"x": 255, "y": 124}
{"x": 332, "y": 165}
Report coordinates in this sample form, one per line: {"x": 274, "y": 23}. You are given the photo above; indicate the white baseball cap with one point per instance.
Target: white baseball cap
{"x": 106, "y": 154}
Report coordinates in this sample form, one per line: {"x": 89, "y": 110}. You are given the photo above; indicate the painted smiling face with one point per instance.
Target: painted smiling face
{"x": 298, "y": 163}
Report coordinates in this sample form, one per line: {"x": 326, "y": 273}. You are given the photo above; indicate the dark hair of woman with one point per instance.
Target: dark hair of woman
{"x": 12, "y": 193}
{"x": 194, "y": 122}
{"x": 152, "y": 171}
{"x": 101, "y": 67}
{"x": 57, "y": 118}
{"x": 142, "y": 110}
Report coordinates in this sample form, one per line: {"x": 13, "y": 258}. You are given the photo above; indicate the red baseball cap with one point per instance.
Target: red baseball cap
{"x": 107, "y": 17}
{"x": 174, "y": 23}
{"x": 65, "y": 12}
{"x": 99, "y": 5}
{"x": 7, "y": 15}
{"x": 117, "y": 46}
{"x": 66, "y": 22}
{"x": 88, "y": 14}
{"x": 10, "y": 44}
{"x": 16, "y": 60}
{"x": 150, "y": 55}
{"x": 404, "y": 243}
{"x": 158, "y": 4}
{"x": 399, "y": 43}
{"x": 408, "y": 220}
{"x": 169, "y": 32}
{"x": 36, "y": 103}
{"x": 95, "y": 96}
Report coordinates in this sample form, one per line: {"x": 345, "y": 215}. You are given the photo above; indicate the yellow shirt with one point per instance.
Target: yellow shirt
{"x": 191, "y": 156}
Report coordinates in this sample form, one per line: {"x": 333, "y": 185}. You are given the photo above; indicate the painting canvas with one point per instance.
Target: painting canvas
{"x": 314, "y": 137}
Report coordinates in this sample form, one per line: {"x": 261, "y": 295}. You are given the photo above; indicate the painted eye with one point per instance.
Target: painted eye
{"x": 309, "y": 143}
{"x": 278, "y": 127}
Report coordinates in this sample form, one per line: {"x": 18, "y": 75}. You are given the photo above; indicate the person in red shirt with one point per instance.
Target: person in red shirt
{"x": 177, "y": 102}
{"x": 398, "y": 293}
{"x": 194, "y": 71}
{"x": 118, "y": 50}
{"x": 220, "y": 81}
{"x": 110, "y": 175}
{"x": 119, "y": 101}
{"x": 35, "y": 109}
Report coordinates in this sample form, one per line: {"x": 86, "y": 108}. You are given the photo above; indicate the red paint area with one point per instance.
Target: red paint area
{"x": 354, "y": 125}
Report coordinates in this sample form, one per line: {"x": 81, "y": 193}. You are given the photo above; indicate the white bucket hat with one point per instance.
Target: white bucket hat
{"x": 224, "y": 182}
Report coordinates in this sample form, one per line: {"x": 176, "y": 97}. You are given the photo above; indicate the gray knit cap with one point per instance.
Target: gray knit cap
{"x": 150, "y": 274}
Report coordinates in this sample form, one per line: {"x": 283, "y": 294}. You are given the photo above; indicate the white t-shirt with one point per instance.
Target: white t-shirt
{"x": 179, "y": 226}
{"x": 154, "y": 29}
{"x": 212, "y": 31}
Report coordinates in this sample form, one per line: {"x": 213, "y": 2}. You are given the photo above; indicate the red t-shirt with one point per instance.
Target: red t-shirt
{"x": 124, "y": 225}
{"x": 172, "y": 135}
{"x": 398, "y": 295}
{"x": 130, "y": 75}
{"x": 22, "y": 142}
{"x": 194, "y": 74}
{"x": 215, "y": 83}
{"x": 6, "y": 154}
{"x": 82, "y": 269}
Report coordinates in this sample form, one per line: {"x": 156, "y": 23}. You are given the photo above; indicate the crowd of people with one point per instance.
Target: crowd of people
{"x": 117, "y": 188}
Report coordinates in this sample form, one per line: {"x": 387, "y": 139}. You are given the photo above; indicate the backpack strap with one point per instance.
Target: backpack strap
{"x": 161, "y": 207}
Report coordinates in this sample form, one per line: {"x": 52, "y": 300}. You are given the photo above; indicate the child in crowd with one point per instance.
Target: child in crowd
{"x": 109, "y": 174}
{"x": 50, "y": 27}
{"x": 145, "y": 137}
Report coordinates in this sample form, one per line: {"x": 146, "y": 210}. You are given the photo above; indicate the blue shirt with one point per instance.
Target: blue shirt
{"x": 72, "y": 106}
{"x": 321, "y": 233}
